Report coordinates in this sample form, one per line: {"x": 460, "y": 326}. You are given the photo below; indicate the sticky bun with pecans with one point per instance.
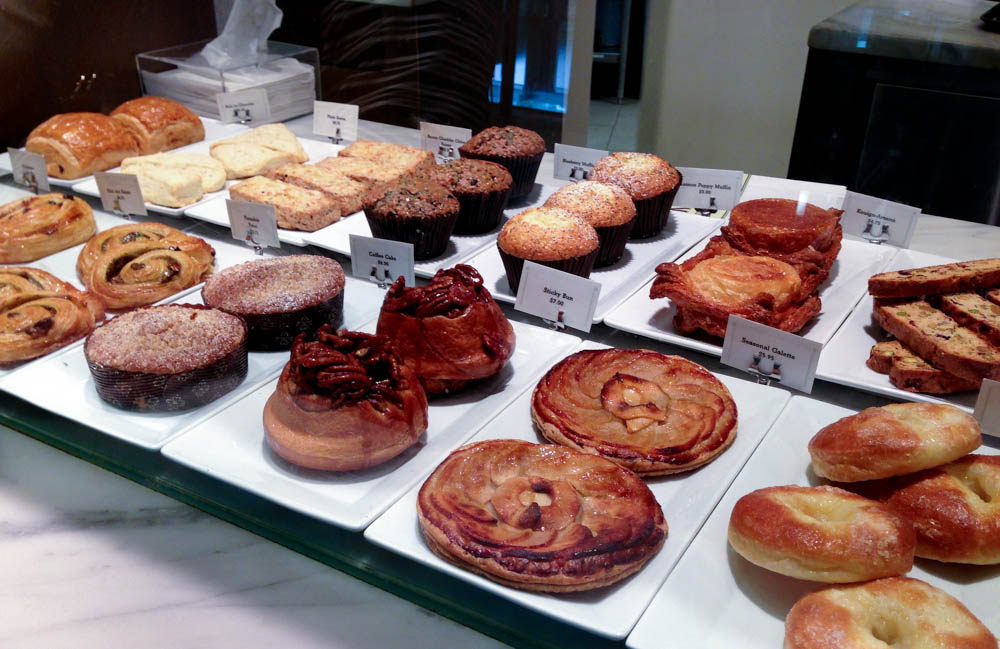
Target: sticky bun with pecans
{"x": 344, "y": 401}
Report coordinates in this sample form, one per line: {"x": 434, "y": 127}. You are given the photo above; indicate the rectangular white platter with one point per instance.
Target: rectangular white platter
{"x": 61, "y": 381}
{"x": 687, "y": 500}
{"x": 821, "y": 194}
{"x": 231, "y": 446}
{"x": 841, "y": 291}
{"x": 617, "y": 281}
{"x": 844, "y": 357}
{"x": 715, "y": 599}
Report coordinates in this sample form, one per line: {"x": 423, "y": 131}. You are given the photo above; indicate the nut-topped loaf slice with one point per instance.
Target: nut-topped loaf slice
{"x": 936, "y": 280}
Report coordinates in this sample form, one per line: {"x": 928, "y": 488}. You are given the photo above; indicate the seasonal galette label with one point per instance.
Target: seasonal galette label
{"x": 575, "y": 162}
{"x": 338, "y": 122}
{"x": 443, "y": 141}
{"x": 120, "y": 193}
{"x": 253, "y": 223}
{"x": 29, "y": 169}
{"x": 709, "y": 189}
{"x": 381, "y": 260}
{"x": 770, "y": 355}
{"x": 557, "y": 296}
{"x": 988, "y": 407}
{"x": 877, "y": 220}
{"x": 244, "y": 106}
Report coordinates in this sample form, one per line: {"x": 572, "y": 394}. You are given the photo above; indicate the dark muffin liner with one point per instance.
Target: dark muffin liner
{"x": 652, "y": 214}
{"x": 269, "y": 332}
{"x": 574, "y": 266}
{"x": 480, "y": 213}
{"x": 170, "y": 392}
{"x": 522, "y": 168}
{"x": 612, "y": 243}
{"x": 429, "y": 235}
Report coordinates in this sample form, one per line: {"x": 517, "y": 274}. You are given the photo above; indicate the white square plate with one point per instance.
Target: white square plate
{"x": 844, "y": 357}
{"x": 231, "y": 446}
{"x": 641, "y": 256}
{"x": 715, "y": 599}
{"x": 687, "y": 499}
{"x": 847, "y": 282}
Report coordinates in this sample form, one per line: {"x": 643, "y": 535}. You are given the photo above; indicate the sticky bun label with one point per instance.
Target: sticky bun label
{"x": 557, "y": 296}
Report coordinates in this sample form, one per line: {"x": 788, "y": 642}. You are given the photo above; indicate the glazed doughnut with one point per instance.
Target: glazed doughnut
{"x": 891, "y": 612}
{"x": 954, "y": 509}
{"x": 893, "y": 440}
{"x": 821, "y": 533}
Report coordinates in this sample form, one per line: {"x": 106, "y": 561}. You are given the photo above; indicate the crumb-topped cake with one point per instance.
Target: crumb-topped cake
{"x": 650, "y": 181}
{"x": 549, "y": 236}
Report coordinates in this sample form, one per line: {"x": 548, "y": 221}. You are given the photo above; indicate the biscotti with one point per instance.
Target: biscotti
{"x": 346, "y": 192}
{"x": 935, "y": 280}
{"x": 295, "y": 208}
{"x": 78, "y": 144}
{"x": 159, "y": 124}
{"x": 909, "y": 372}
{"x": 975, "y": 312}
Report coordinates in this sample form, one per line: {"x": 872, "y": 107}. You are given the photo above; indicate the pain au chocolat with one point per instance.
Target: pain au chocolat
{"x": 651, "y": 413}
{"x": 539, "y": 517}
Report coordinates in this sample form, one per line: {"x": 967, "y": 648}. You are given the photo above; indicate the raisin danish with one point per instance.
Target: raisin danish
{"x": 38, "y": 226}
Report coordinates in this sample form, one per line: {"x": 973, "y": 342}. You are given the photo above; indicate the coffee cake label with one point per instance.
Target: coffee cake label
{"x": 709, "y": 189}
{"x": 120, "y": 193}
{"x": 770, "y": 355}
{"x": 564, "y": 300}
{"x": 253, "y": 223}
{"x": 29, "y": 169}
{"x": 339, "y": 122}
{"x": 575, "y": 162}
{"x": 248, "y": 106}
{"x": 877, "y": 220}
{"x": 988, "y": 407}
{"x": 381, "y": 261}
{"x": 443, "y": 141}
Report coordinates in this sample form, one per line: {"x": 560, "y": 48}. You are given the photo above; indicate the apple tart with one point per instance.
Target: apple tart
{"x": 38, "y": 226}
{"x": 539, "y": 517}
{"x": 651, "y": 413}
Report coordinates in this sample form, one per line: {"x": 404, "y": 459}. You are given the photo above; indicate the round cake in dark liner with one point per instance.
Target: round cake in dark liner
{"x": 613, "y": 241}
{"x": 523, "y": 169}
{"x": 580, "y": 266}
{"x": 652, "y": 214}
{"x": 480, "y": 213}
{"x": 428, "y": 232}
{"x": 270, "y": 332}
{"x": 429, "y": 236}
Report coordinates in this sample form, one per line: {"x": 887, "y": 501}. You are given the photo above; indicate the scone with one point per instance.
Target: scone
{"x": 257, "y": 150}
{"x": 295, "y": 208}
{"x": 38, "y": 226}
{"x": 210, "y": 171}
{"x": 371, "y": 173}
{"x": 159, "y": 124}
{"x": 78, "y": 144}
{"x": 348, "y": 193}
{"x": 549, "y": 236}
{"x": 176, "y": 179}
{"x": 406, "y": 157}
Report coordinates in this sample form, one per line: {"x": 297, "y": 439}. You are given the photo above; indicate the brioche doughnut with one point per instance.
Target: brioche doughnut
{"x": 821, "y": 533}
{"x": 893, "y": 440}
{"x": 954, "y": 509}
{"x": 892, "y": 612}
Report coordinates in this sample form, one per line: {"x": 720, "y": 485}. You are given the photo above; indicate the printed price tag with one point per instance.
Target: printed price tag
{"x": 253, "y": 223}
{"x": 244, "y": 106}
{"x": 877, "y": 220}
{"x": 771, "y": 355}
{"x": 29, "y": 169}
{"x": 557, "y": 296}
{"x": 380, "y": 260}
{"x": 575, "y": 162}
{"x": 120, "y": 193}
{"x": 443, "y": 141}
{"x": 709, "y": 189}
{"x": 339, "y": 122}
{"x": 988, "y": 407}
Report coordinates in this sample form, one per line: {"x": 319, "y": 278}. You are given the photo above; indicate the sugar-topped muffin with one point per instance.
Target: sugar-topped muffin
{"x": 549, "y": 236}
{"x": 518, "y": 149}
{"x": 414, "y": 210}
{"x": 482, "y": 189}
{"x": 606, "y": 207}
{"x": 650, "y": 181}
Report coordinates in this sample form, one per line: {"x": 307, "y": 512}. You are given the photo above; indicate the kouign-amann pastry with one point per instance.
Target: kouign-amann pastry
{"x": 482, "y": 189}
{"x": 450, "y": 332}
{"x": 410, "y": 158}
{"x": 650, "y": 181}
{"x": 295, "y": 208}
{"x": 159, "y": 124}
{"x": 279, "y": 298}
{"x": 539, "y": 517}
{"x": 38, "y": 226}
{"x": 415, "y": 211}
{"x": 78, "y": 144}
{"x": 896, "y": 439}
{"x": 821, "y": 534}
{"x": 909, "y": 372}
{"x": 40, "y": 313}
{"x": 136, "y": 264}
{"x": 651, "y": 413}
{"x": 606, "y": 207}
{"x": 549, "y": 236}
{"x": 518, "y": 149}
{"x": 348, "y": 193}
{"x": 166, "y": 358}
{"x": 255, "y": 151}
{"x": 895, "y": 611}
{"x": 344, "y": 401}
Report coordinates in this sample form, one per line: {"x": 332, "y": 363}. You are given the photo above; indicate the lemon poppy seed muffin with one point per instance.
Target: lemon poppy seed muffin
{"x": 549, "y": 236}
{"x": 517, "y": 149}
{"x": 650, "y": 181}
{"x": 606, "y": 207}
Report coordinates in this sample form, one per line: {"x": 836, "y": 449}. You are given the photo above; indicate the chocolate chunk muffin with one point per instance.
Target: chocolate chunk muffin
{"x": 650, "y": 181}
{"x": 279, "y": 298}
{"x": 549, "y": 236}
{"x": 482, "y": 189}
{"x": 415, "y": 210}
{"x": 606, "y": 207}
{"x": 517, "y": 149}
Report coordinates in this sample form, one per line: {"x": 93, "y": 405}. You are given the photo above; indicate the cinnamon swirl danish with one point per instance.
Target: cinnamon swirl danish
{"x": 38, "y": 226}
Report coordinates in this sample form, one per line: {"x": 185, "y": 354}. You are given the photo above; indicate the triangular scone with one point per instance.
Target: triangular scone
{"x": 272, "y": 136}
{"x": 243, "y": 160}
{"x": 211, "y": 171}
{"x": 168, "y": 186}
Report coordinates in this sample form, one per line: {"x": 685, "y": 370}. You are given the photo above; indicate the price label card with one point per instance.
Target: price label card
{"x": 770, "y": 355}
{"x": 29, "y": 169}
{"x": 336, "y": 121}
{"x": 253, "y": 223}
{"x": 443, "y": 141}
{"x": 381, "y": 260}
{"x": 557, "y": 296}
{"x": 988, "y": 407}
{"x": 575, "y": 162}
{"x": 709, "y": 189}
{"x": 877, "y": 220}
{"x": 120, "y": 193}
{"x": 244, "y": 106}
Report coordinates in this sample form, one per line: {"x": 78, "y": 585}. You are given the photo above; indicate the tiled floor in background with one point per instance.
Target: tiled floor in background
{"x": 612, "y": 126}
